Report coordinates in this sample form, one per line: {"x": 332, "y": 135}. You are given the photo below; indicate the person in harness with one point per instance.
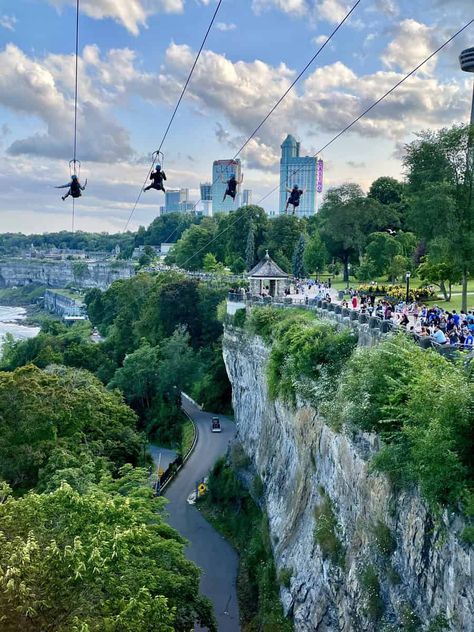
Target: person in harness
{"x": 74, "y": 187}
{"x": 231, "y": 189}
{"x": 294, "y": 199}
{"x": 158, "y": 176}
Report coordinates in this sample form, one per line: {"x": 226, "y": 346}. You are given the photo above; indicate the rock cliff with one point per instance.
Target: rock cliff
{"x": 361, "y": 556}
{"x": 59, "y": 274}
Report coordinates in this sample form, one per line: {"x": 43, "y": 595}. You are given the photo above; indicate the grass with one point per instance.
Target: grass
{"x": 187, "y": 437}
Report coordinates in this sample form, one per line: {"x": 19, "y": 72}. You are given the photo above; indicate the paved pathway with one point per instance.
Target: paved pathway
{"x": 209, "y": 550}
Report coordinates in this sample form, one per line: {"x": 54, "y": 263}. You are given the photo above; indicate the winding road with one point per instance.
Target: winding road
{"x": 207, "y": 548}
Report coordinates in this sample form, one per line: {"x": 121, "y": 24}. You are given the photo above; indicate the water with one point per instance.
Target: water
{"x": 10, "y": 322}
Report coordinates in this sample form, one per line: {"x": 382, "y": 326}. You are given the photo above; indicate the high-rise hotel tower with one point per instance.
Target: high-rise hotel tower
{"x": 300, "y": 170}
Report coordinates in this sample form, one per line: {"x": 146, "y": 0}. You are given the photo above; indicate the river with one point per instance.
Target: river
{"x": 10, "y": 323}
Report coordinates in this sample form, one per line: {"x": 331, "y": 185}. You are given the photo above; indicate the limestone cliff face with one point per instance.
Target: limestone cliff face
{"x": 425, "y": 570}
{"x": 59, "y": 274}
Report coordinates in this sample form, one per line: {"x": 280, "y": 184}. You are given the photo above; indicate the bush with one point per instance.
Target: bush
{"x": 325, "y": 531}
{"x": 370, "y": 584}
{"x": 284, "y": 577}
{"x": 384, "y": 539}
{"x": 240, "y": 317}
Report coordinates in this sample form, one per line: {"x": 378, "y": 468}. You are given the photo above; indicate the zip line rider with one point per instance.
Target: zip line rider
{"x": 231, "y": 189}
{"x": 158, "y": 176}
{"x": 74, "y": 187}
{"x": 294, "y": 199}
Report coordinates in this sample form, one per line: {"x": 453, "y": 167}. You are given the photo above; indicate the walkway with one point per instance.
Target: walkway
{"x": 209, "y": 550}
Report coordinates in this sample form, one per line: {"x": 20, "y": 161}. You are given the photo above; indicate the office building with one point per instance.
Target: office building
{"x": 206, "y": 191}
{"x": 247, "y": 197}
{"x": 176, "y": 201}
{"x": 300, "y": 170}
{"x": 222, "y": 170}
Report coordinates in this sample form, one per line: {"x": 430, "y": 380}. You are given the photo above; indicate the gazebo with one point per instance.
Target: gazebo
{"x": 268, "y": 278}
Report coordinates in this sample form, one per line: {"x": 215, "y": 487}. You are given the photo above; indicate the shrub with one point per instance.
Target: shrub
{"x": 384, "y": 539}
{"x": 240, "y": 317}
{"x": 370, "y": 584}
{"x": 325, "y": 531}
{"x": 284, "y": 577}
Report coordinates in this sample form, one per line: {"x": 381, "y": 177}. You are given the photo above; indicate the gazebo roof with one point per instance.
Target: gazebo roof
{"x": 267, "y": 269}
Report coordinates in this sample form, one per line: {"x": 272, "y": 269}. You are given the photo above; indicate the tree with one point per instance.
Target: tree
{"x": 315, "y": 254}
{"x": 239, "y": 225}
{"x": 386, "y": 190}
{"x": 281, "y": 238}
{"x": 41, "y": 411}
{"x": 99, "y": 560}
{"x": 440, "y": 182}
{"x": 167, "y": 228}
{"x": 442, "y": 273}
{"x": 347, "y": 218}
{"x": 250, "y": 249}
{"x": 298, "y": 267}
{"x": 194, "y": 244}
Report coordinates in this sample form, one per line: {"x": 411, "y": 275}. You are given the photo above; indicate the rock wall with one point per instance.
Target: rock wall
{"x": 59, "y": 274}
{"x": 305, "y": 466}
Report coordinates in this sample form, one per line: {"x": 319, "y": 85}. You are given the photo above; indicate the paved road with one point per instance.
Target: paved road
{"x": 214, "y": 555}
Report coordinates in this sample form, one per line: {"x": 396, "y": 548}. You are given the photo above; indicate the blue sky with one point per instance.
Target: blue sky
{"x": 134, "y": 58}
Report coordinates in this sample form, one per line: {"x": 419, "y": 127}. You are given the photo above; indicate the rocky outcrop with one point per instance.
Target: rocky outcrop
{"x": 60, "y": 274}
{"x": 361, "y": 556}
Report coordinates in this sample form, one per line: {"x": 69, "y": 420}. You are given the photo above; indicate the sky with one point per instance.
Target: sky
{"x": 134, "y": 58}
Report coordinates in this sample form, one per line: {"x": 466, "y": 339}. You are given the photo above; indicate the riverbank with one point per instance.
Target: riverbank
{"x": 13, "y": 322}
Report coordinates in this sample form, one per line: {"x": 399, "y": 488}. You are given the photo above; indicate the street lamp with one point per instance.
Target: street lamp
{"x": 466, "y": 59}
{"x": 407, "y": 277}
{"x": 348, "y": 275}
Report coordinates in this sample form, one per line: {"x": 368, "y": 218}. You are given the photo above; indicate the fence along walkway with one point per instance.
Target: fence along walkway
{"x": 370, "y": 327}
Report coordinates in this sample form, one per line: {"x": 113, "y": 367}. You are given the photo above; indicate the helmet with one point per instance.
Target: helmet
{"x": 158, "y": 167}
{"x": 74, "y": 177}
{"x": 232, "y": 176}
{"x": 295, "y": 186}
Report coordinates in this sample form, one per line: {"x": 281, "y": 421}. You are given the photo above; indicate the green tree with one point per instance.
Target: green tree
{"x": 194, "y": 244}
{"x": 440, "y": 182}
{"x": 250, "y": 249}
{"x": 298, "y": 267}
{"x": 347, "y": 218}
{"x": 281, "y": 238}
{"x": 315, "y": 254}
{"x": 101, "y": 560}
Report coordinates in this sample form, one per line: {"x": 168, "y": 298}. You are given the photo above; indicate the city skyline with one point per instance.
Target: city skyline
{"x": 126, "y": 96}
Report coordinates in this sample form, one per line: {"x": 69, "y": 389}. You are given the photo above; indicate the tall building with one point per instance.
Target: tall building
{"x": 221, "y": 173}
{"x": 300, "y": 170}
{"x": 247, "y": 197}
{"x": 206, "y": 191}
{"x": 176, "y": 201}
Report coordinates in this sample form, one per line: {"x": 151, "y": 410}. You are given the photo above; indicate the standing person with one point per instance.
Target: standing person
{"x": 74, "y": 187}
{"x": 354, "y": 301}
{"x": 158, "y": 176}
{"x": 294, "y": 199}
{"x": 231, "y": 189}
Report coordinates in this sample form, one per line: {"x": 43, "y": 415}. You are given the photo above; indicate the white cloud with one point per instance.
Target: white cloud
{"x": 413, "y": 42}
{"x": 8, "y": 22}
{"x": 131, "y": 14}
{"x": 295, "y": 8}
{"x": 43, "y": 89}
{"x": 320, "y": 39}
{"x": 225, "y": 26}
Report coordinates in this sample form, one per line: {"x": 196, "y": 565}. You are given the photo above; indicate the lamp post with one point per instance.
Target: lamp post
{"x": 348, "y": 275}
{"x": 407, "y": 277}
{"x": 466, "y": 59}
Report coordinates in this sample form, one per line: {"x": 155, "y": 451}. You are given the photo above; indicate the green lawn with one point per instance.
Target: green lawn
{"x": 187, "y": 437}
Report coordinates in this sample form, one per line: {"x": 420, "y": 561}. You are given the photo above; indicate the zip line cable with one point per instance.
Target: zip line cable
{"x": 75, "y": 106}
{"x": 157, "y": 152}
{"x": 288, "y": 90}
{"x": 343, "y": 131}
{"x": 371, "y": 107}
